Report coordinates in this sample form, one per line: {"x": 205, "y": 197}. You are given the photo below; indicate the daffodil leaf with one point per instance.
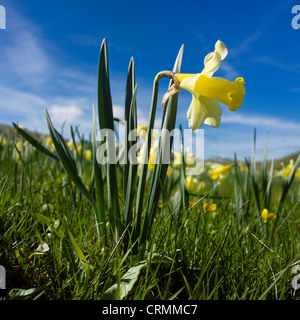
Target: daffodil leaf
{"x": 68, "y": 161}
{"x": 165, "y": 146}
{"x": 34, "y": 142}
{"x": 106, "y": 122}
{"x": 99, "y": 189}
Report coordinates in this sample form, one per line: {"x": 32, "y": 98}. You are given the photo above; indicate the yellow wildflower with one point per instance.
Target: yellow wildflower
{"x": 87, "y": 154}
{"x": 191, "y": 183}
{"x": 268, "y": 216}
{"x": 152, "y": 160}
{"x": 3, "y": 142}
{"x": 194, "y": 185}
{"x": 48, "y": 140}
{"x": 209, "y": 207}
{"x": 153, "y": 152}
{"x": 192, "y": 203}
{"x": 219, "y": 171}
{"x": 206, "y": 89}
{"x": 285, "y": 171}
{"x": 71, "y": 144}
{"x": 141, "y": 132}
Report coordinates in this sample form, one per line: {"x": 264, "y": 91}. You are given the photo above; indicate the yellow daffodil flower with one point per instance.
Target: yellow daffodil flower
{"x": 48, "y": 140}
{"x": 71, "y": 145}
{"x": 152, "y": 160}
{"x": 209, "y": 207}
{"x": 219, "y": 171}
{"x": 268, "y": 216}
{"x": 191, "y": 183}
{"x": 3, "y": 142}
{"x": 87, "y": 154}
{"x": 194, "y": 185}
{"x": 286, "y": 170}
{"x": 206, "y": 89}
{"x": 153, "y": 152}
{"x": 141, "y": 132}
{"x": 79, "y": 149}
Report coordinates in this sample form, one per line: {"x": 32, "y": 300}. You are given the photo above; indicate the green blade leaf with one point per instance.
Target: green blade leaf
{"x": 99, "y": 192}
{"x": 288, "y": 184}
{"x": 130, "y": 89}
{"x": 132, "y": 167}
{"x": 35, "y": 143}
{"x": 106, "y": 121}
{"x": 165, "y": 145}
{"x": 68, "y": 162}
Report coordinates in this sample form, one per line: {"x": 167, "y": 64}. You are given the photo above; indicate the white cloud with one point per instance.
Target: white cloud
{"x": 19, "y": 103}
{"x": 261, "y": 121}
{"x": 26, "y": 56}
{"x": 60, "y": 114}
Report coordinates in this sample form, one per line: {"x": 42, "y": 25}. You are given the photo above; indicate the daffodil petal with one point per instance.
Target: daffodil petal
{"x": 212, "y": 63}
{"x": 221, "y": 48}
{"x": 196, "y": 114}
{"x": 213, "y": 60}
{"x": 214, "y": 112}
{"x": 189, "y": 85}
{"x": 181, "y": 76}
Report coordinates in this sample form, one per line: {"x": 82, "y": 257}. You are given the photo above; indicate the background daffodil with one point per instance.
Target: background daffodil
{"x": 219, "y": 171}
{"x": 206, "y": 89}
{"x": 267, "y": 216}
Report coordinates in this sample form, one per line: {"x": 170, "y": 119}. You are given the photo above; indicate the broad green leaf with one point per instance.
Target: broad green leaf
{"x": 119, "y": 291}
{"x": 23, "y": 294}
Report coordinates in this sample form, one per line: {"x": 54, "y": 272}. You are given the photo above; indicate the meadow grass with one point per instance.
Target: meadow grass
{"x": 49, "y": 239}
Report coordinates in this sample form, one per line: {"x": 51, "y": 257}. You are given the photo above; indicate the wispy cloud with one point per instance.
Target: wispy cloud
{"x": 229, "y": 71}
{"x": 246, "y": 45}
{"x": 261, "y": 121}
{"x": 278, "y": 64}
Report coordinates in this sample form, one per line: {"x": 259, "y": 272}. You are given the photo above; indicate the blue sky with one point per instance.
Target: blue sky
{"x": 49, "y": 55}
